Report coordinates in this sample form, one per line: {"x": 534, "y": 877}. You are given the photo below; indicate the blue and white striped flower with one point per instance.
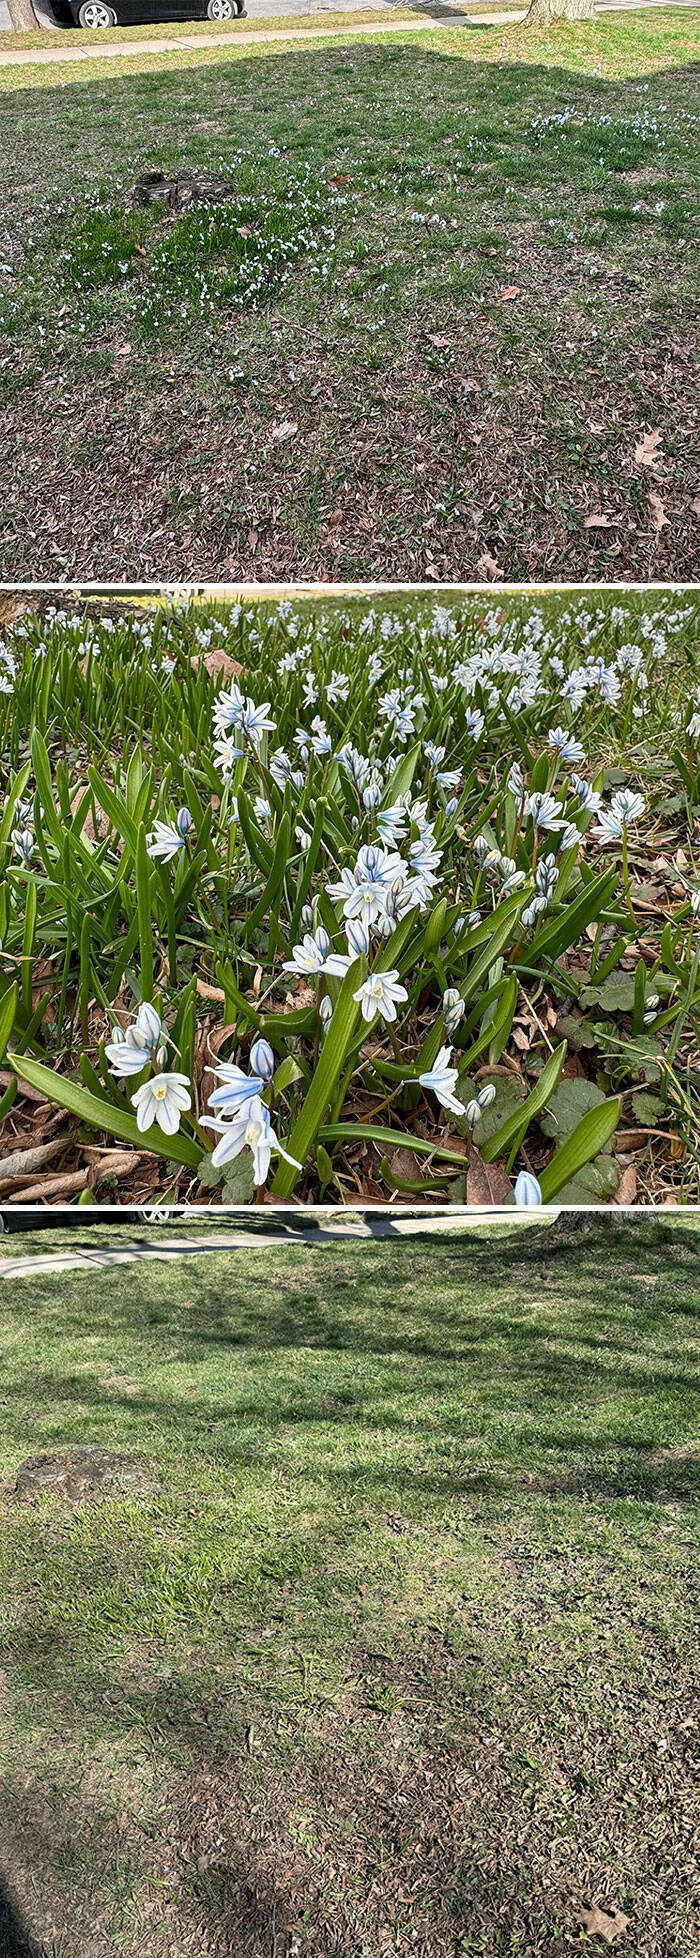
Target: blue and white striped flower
{"x": 528, "y": 1194}
{"x": 544, "y": 810}
{"x": 453, "y": 1008}
{"x": 567, "y": 748}
{"x": 238, "y": 1089}
{"x": 24, "y": 843}
{"x": 441, "y": 1080}
{"x": 475, "y": 1108}
{"x": 250, "y": 1129}
{"x": 132, "y": 1049}
{"x": 168, "y": 839}
{"x": 311, "y": 956}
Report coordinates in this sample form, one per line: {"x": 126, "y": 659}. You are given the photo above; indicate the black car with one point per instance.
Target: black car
{"x": 130, "y": 13}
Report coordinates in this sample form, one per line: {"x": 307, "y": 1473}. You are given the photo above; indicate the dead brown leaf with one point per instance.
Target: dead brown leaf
{"x": 627, "y": 1186}
{"x": 521, "y": 1039}
{"x": 646, "y": 453}
{"x": 210, "y": 992}
{"x": 487, "y": 1183}
{"x": 281, "y": 431}
{"x": 597, "y": 521}
{"x": 509, "y": 292}
{"x": 488, "y": 568}
{"x": 607, "y": 1924}
{"x": 216, "y": 662}
{"x": 656, "y": 510}
{"x": 54, "y": 1186}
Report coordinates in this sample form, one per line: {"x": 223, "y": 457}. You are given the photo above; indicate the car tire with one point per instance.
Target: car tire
{"x": 95, "y": 13}
{"x": 221, "y": 9}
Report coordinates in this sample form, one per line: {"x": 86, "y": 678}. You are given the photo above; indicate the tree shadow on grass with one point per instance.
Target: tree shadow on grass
{"x": 13, "y": 1942}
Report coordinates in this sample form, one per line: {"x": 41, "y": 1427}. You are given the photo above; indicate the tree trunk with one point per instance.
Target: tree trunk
{"x": 542, "y": 11}
{"x": 22, "y": 15}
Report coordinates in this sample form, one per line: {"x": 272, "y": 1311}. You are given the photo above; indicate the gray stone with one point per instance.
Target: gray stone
{"x": 82, "y": 1475}
{"x": 183, "y": 188}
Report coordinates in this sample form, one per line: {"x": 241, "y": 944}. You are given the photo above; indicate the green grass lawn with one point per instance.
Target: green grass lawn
{"x": 468, "y": 287}
{"x": 399, "y": 1655}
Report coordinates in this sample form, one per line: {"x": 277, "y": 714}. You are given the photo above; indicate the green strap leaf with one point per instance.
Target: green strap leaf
{"x": 394, "y": 1138}
{"x": 100, "y": 1115}
{"x": 585, "y": 1142}
{"x": 512, "y": 1132}
{"x": 276, "y": 877}
{"x": 568, "y": 927}
{"x": 8, "y": 1009}
{"x": 143, "y": 907}
{"x": 44, "y": 786}
{"x": 114, "y": 807}
{"x": 14, "y": 795}
{"x": 332, "y": 1058}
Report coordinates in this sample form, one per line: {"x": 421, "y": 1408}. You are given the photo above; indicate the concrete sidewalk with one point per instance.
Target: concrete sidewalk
{"x": 90, "y": 1257}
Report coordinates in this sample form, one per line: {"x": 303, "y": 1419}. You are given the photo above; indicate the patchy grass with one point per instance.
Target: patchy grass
{"x": 400, "y": 1655}
{"x": 503, "y": 302}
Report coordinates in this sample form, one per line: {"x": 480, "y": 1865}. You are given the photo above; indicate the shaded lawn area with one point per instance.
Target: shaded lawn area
{"x": 400, "y": 1654}
{"x": 481, "y": 291}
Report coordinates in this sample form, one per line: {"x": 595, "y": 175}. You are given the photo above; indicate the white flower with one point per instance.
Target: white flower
{"x": 627, "y": 807}
{"x": 250, "y": 1129}
{"x": 474, "y": 1109}
{"x": 128, "y": 1052}
{"x": 254, "y": 720}
{"x": 262, "y": 1060}
{"x": 527, "y": 1190}
{"x": 162, "y": 1100}
{"x": 149, "y": 1025}
{"x": 441, "y": 1080}
{"x": 547, "y": 876}
{"x": 24, "y": 844}
{"x": 586, "y": 797}
{"x": 167, "y": 839}
{"x": 238, "y": 1090}
{"x": 357, "y": 936}
{"x": 545, "y": 811}
{"x": 311, "y": 956}
{"x": 453, "y": 1008}
{"x": 608, "y": 829}
{"x": 568, "y": 749}
{"x": 379, "y": 994}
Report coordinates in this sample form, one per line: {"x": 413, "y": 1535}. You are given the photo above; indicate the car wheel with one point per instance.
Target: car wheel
{"x": 94, "y": 13}
{"x": 220, "y": 9}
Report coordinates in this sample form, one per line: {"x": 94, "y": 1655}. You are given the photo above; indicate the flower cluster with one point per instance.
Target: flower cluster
{"x": 365, "y": 833}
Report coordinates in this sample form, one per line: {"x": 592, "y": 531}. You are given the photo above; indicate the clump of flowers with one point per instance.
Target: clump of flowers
{"x": 371, "y": 845}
